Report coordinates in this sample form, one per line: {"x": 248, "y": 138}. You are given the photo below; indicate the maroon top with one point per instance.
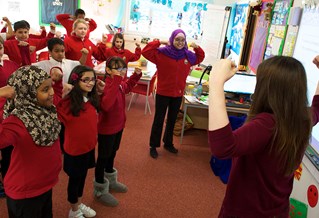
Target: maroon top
{"x": 256, "y": 187}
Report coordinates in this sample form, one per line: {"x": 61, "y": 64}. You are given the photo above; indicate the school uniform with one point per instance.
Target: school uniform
{"x": 67, "y": 23}
{"x": 125, "y": 54}
{"x": 79, "y": 145}
{"x": 73, "y": 46}
{"x": 66, "y": 65}
{"x": 21, "y": 54}
{"x": 111, "y": 122}
{"x": 171, "y": 82}
{"x": 6, "y": 69}
{"x": 256, "y": 187}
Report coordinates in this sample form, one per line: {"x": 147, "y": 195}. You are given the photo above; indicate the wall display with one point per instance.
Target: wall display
{"x": 278, "y": 27}
{"x": 49, "y": 9}
{"x": 147, "y": 17}
{"x": 238, "y": 29}
{"x": 290, "y": 41}
{"x": 260, "y": 35}
{"x": 307, "y": 47}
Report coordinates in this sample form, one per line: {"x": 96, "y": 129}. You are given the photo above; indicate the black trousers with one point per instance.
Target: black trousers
{"x": 163, "y": 104}
{"x": 5, "y": 161}
{"x": 76, "y": 187}
{"x": 36, "y": 207}
{"x": 107, "y": 148}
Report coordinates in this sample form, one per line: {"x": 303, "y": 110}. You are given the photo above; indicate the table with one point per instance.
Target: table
{"x": 188, "y": 104}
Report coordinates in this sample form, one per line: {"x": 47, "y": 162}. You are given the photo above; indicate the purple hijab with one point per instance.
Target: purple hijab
{"x": 177, "y": 54}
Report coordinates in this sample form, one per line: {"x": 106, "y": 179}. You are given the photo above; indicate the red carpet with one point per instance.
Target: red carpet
{"x": 181, "y": 185}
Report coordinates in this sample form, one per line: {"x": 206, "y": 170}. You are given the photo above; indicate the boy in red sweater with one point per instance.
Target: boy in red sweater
{"x": 22, "y": 49}
{"x": 67, "y": 21}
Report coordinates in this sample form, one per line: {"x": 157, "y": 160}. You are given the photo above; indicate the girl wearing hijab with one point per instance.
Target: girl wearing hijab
{"x": 173, "y": 62}
{"x": 32, "y": 127}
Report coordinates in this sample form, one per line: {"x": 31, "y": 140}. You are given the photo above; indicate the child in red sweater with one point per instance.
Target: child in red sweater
{"x": 78, "y": 113}
{"x": 67, "y": 21}
{"x": 7, "y": 67}
{"x": 22, "y": 49}
{"x": 110, "y": 128}
{"x": 118, "y": 49}
{"x": 79, "y": 40}
{"x": 32, "y": 127}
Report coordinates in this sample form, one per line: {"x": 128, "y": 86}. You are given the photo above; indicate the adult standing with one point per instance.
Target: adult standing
{"x": 173, "y": 62}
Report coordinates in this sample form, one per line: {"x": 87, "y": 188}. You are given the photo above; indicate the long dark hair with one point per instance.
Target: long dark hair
{"x": 281, "y": 89}
{"x": 76, "y": 96}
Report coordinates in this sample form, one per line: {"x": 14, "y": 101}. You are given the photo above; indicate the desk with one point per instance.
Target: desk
{"x": 188, "y": 104}
{"x": 148, "y": 72}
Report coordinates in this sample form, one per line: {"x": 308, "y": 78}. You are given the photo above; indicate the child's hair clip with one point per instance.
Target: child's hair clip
{"x": 74, "y": 77}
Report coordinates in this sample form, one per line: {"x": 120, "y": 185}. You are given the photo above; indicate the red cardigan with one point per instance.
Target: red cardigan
{"x": 5, "y": 71}
{"x": 33, "y": 169}
{"x": 67, "y": 22}
{"x": 21, "y": 54}
{"x": 125, "y": 54}
{"x": 112, "y": 115}
{"x": 256, "y": 188}
{"x": 171, "y": 74}
{"x": 73, "y": 46}
{"x": 80, "y": 131}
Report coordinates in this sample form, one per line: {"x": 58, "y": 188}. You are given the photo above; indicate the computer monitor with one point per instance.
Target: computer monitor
{"x": 241, "y": 84}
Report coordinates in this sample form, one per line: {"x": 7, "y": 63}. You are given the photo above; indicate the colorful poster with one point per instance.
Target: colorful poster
{"x": 278, "y": 27}
{"x": 261, "y": 31}
{"x": 238, "y": 28}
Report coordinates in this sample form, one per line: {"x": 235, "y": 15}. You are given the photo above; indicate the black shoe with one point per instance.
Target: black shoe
{"x": 153, "y": 153}
{"x": 171, "y": 149}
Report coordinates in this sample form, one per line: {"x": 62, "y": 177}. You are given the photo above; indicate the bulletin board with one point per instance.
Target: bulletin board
{"x": 260, "y": 35}
{"x": 278, "y": 28}
{"x": 48, "y": 9}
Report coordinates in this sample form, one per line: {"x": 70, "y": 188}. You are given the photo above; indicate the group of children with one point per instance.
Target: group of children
{"x": 38, "y": 96}
{"x": 266, "y": 150}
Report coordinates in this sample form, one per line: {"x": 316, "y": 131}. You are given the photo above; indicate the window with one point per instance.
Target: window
{"x": 158, "y": 18}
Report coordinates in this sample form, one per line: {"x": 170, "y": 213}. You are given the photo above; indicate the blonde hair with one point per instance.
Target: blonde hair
{"x": 77, "y": 22}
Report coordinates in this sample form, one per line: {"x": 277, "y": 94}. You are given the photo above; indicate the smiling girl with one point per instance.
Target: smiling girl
{"x": 78, "y": 113}
{"x": 79, "y": 40}
{"x": 32, "y": 127}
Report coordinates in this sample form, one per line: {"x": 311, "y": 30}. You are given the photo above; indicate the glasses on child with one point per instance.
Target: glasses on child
{"x": 88, "y": 80}
{"x": 120, "y": 69}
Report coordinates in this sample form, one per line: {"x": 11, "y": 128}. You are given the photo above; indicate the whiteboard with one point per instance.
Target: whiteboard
{"x": 307, "y": 47}
{"x": 215, "y": 26}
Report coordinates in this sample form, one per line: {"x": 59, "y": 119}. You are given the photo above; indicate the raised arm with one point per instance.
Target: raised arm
{"x": 135, "y": 56}
{"x": 150, "y": 50}
{"x": 222, "y": 71}
{"x": 9, "y": 32}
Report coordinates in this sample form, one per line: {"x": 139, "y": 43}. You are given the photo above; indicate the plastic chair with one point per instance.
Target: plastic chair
{"x": 146, "y": 88}
{"x": 44, "y": 55}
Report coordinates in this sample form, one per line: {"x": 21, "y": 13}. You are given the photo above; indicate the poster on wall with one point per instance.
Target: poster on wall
{"x": 261, "y": 31}
{"x": 278, "y": 28}
{"x": 238, "y": 27}
{"x": 50, "y": 8}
